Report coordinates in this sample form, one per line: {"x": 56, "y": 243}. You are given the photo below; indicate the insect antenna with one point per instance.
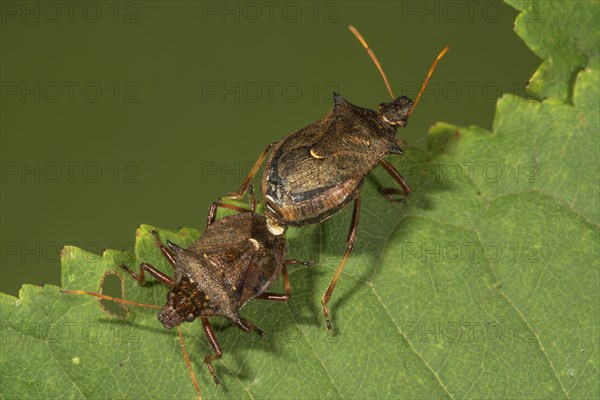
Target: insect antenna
{"x": 134, "y": 303}
{"x": 439, "y": 57}
{"x": 105, "y": 297}
{"x": 375, "y": 60}
{"x": 187, "y": 362}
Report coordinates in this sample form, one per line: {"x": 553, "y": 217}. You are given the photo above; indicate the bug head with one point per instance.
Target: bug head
{"x": 396, "y": 112}
{"x": 178, "y": 309}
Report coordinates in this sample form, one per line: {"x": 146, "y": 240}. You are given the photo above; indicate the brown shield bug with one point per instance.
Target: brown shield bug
{"x": 316, "y": 171}
{"x": 235, "y": 260}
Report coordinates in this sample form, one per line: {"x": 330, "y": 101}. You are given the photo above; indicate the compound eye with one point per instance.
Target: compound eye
{"x": 190, "y": 317}
{"x": 170, "y": 295}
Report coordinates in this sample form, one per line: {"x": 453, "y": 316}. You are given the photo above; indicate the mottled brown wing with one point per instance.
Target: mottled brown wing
{"x": 224, "y": 233}
{"x": 267, "y": 259}
{"x": 214, "y": 267}
{"x": 334, "y": 149}
{"x": 261, "y": 272}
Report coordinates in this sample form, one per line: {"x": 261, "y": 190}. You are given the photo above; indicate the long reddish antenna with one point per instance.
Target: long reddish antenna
{"x": 105, "y": 297}
{"x": 133, "y": 303}
{"x": 426, "y": 81}
{"x": 375, "y": 60}
{"x": 189, "y": 365}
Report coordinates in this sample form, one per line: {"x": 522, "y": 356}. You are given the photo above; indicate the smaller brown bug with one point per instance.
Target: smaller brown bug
{"x": 235, "y": 260}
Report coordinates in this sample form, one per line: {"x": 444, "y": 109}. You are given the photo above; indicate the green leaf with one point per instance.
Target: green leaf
{"x": 485, "y": 284}
{"x": 565, "y": 35}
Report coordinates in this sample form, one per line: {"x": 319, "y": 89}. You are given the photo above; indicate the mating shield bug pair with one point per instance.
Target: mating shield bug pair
{"x": 309, "y": 176}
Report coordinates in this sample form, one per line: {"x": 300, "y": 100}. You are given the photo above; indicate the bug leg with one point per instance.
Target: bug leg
{"x": 405, "y": 188}
{"x": 298, "y": 262}
{"x": 338, "y": 271}
{"x": 145, "y": 267}
{"x": 212, "y": 339}
{"x": 389, "y": 192}
{"x": 252, "y": 198}
{"x": 248, "y": 326}
{"x": 212, "y": 210}
{"x": 253, "y": 171}
{"x": 279, "y": 296}
{"x": 166, "y": 252}
{"x": 286, "y": 283}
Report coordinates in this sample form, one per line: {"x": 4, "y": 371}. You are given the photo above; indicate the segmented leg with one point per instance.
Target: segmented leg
{"x": 405, "y": 188}
{"x": 145, "y": 267}
{"x": 248, "y": 326}
{"x": 286, "y": 283}
{"x": 253, "y": 172}
{"x": 166, "y": 252}
{"x": 212, "y": 210}
{"x": 252, "y": 198}
{"x": 279, "y": 296}
{"x": 338, "y": 271}
{"x": 298, "y": 262}
{"x": 209, "y": 358}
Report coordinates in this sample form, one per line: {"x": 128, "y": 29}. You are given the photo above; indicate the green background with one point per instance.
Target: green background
{"x": 154, "y": 61}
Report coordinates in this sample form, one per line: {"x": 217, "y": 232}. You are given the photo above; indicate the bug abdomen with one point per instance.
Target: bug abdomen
{"x": 309, "y": 207}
